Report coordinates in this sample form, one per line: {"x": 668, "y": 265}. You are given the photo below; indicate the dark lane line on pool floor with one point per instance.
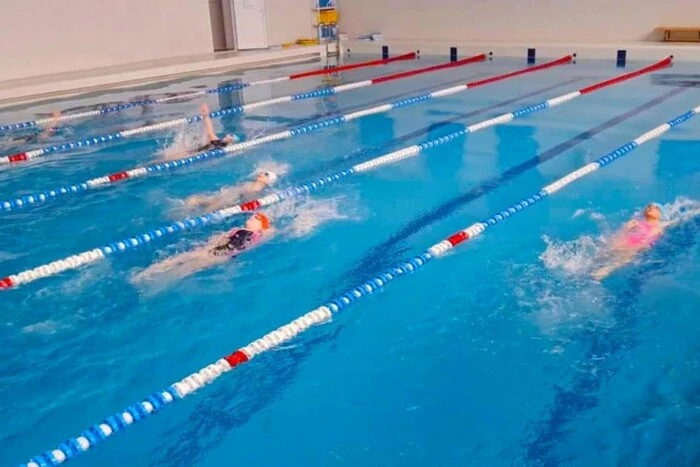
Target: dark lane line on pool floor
{"x": 386, "y": 253}
{"x": 377, "y": 150}
{"x": 594, "y": 368}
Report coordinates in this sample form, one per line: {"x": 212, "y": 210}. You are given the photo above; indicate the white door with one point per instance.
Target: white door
{"x": 251, "y": 24}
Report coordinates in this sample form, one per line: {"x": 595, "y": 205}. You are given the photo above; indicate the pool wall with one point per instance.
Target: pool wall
{"x": 540, "y": 22}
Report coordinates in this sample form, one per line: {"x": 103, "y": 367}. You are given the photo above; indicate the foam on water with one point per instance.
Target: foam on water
{"x": 681, "y": 210}
{"x": 575, "y": 257}
{"x": 578, "y": 213}
{"x": 302, "y": 218}
{"x": 596, "y": 216}
{"x": 44, "y": 327}
{"x": 559, "y": 306}
{"x": 185, "y": 140}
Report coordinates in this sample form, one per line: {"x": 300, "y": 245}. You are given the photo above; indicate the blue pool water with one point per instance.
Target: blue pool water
{"x": 501, "y": 353}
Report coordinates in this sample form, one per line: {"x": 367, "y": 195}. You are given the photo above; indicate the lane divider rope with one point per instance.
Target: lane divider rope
{"x": 160, "y": 399}
{"x": 186, "y": 95}
{"x": 165, "y": 125}
{"x": 33, "y": 199}
{"x": 128, "y": 244}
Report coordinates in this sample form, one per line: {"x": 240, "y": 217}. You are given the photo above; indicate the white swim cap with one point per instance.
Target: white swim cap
{"x": 270, "y": 175}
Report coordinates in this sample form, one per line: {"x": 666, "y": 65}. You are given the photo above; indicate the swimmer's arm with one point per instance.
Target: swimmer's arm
{"x": 614, "y": 265}
{"x": 197, "y": 201}
{"x": 225, "y": 198}
{"x": 232, "y": 194}
{"x": 209, "y": 132}
{"x": 51, "y": 128}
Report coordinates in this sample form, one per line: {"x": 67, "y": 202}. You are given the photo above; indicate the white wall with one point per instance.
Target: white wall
{"x": 49, "y": 36}
{"x": 288, "y": 20}
{"x": 536, "y": 21}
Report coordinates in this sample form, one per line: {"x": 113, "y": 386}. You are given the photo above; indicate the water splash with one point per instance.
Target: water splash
{"x": 185, "y": 140}
{"x": 558, "y": 306}
{"x": 302, "y": 218}
{"x": 579, "y": 213}
{"x": 581, "y": 256}
{"x": 576, "y": 257}
{"x": 681, "y": 210}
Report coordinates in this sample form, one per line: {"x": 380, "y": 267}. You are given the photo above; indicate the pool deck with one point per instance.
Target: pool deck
{"x": 635, "y": 50}
{"x": 36, "y": 88}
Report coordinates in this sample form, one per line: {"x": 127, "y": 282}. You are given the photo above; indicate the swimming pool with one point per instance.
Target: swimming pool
{"x": 500, "y": 353}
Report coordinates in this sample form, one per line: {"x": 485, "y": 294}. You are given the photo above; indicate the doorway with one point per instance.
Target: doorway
{"x": 250, "y": 24}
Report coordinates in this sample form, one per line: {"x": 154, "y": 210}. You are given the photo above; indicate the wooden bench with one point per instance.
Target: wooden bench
{"x": 682, "y": 34}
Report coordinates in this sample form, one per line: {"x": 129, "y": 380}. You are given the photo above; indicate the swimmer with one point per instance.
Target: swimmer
{"x": 219, "y": 249}
{"x": 213, "y": 140}
{"x": 42, "y": 135}
{"x": 232, "y": 194}
{"x": 635, "y": 236}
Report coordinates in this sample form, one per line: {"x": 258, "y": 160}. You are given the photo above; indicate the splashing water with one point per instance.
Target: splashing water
{"x": 307, "y": 215}
{"x": 573, "y": 258}
{"x": 579, "y": 257}
{"x": 578, "y": 213}
{"x": 681, "y": 210}
{"x": 558, "y": 306}
{"x": 316, "y": 214}
{"x": 185, "y": 140}
{"x": 595, "y": 216}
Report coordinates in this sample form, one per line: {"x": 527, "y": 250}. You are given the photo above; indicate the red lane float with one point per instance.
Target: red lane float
{"x": 353, "y": 66}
